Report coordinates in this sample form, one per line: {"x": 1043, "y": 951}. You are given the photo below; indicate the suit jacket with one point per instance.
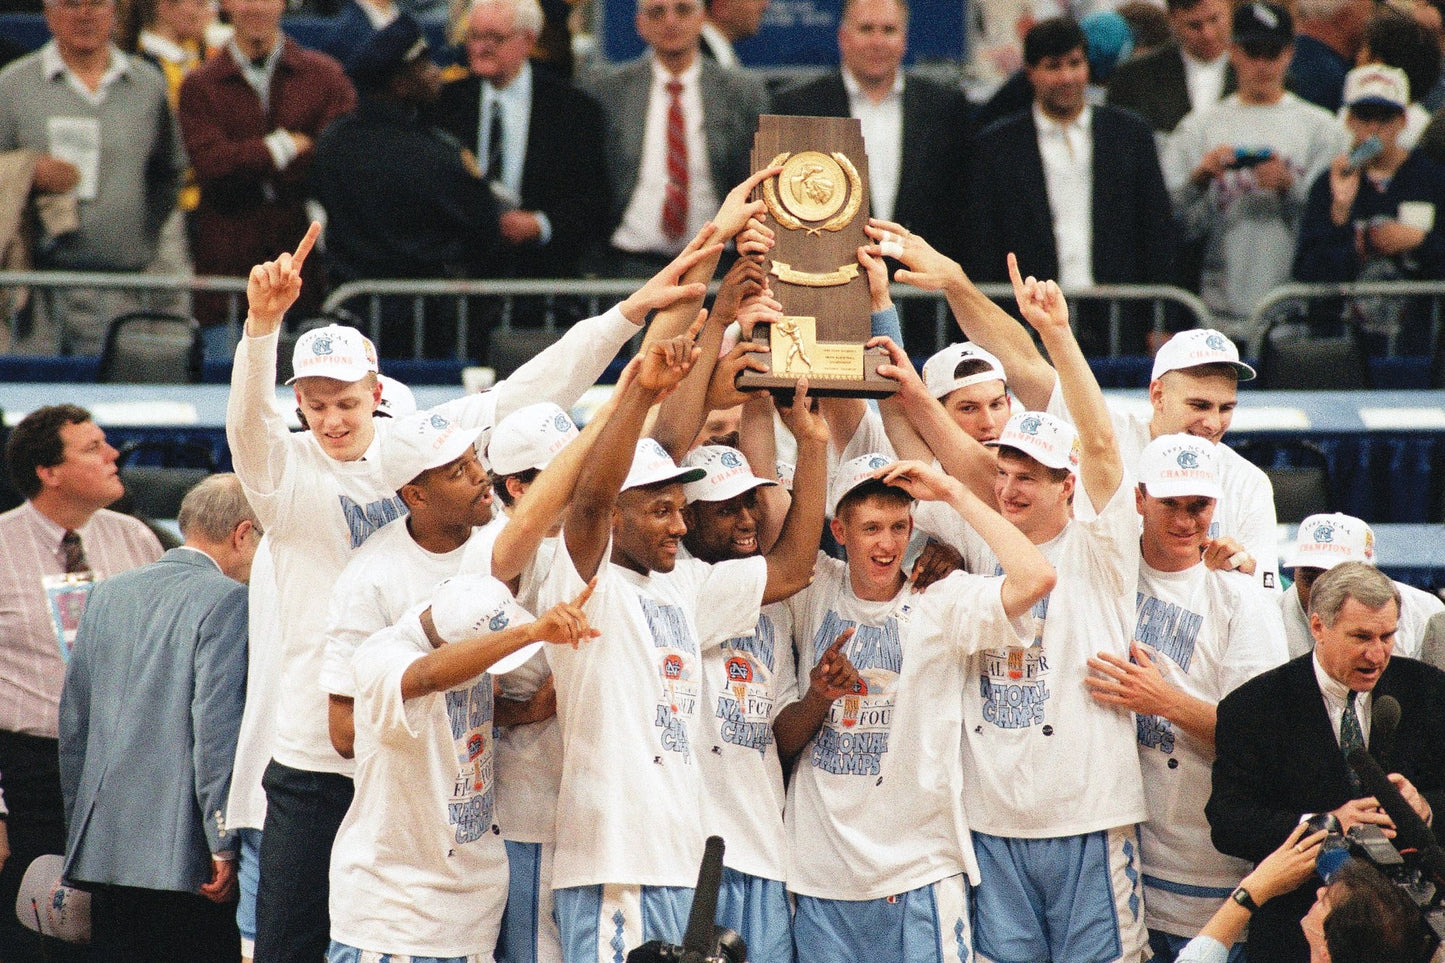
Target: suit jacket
{"x": 562, "y": 176}
{"x": 1134, "y": 237}
{"x": 936, "y": 130}
{"x": 731, "y": 105}
{"x": 1154, "y": 87}
{"x": 148, "y": 723}
{"x": 1277, "y": 759}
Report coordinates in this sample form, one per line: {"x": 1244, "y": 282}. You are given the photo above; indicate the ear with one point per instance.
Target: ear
{"x": 1069, "y": 484}
{"x": 1317, "y": 625}
{"x": 239, "y": 533}
{"x": 47, "y": 476}
{"x": 1139, "y": 499}
{"x": 839, "y": 529}
{"x": 515, "y": 488}
{"x": 1156, "y": 394}
{"x": 376, "y": 396}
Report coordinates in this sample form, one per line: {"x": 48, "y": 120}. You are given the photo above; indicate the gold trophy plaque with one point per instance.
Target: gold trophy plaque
{"x": 817, "y": 207}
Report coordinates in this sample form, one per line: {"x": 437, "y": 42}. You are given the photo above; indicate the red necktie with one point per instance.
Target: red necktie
{"x": 674, "y": 204}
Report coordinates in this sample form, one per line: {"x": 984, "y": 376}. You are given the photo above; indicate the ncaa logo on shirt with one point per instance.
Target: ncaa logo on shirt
{"x": 1324, "y": 532}
{"x": 560, "y": 422}
{"x": 1216, "y": 342}
{"x": 322, "y": 345}
{"x": 1030, "y": 426}
{"x": 1188, "y": 459}
{"x": 498, "y": 622}
{"x": 730, "y": 460}
{"x": 440, "y": 423}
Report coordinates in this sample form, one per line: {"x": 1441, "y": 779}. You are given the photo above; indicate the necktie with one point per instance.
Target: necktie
{"x": 674, "y": 204}
{"x": 494, "y": 144}
{"x": 1351, "y": 738}
{"x": 74, "y": 552}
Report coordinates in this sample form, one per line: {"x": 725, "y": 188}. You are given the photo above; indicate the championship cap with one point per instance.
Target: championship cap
{"x": 1050, "y": 441}
{"x": 854, "y": 474}
{"x": 396, "y": 399}
{"x": 388, "y": 50}
{"x": 1266, "y": 26}
{"x": 334, "y": 351}
{"x": 529, "y": 437}
{"x": 1379, "y": 85}
{"x": 728, "y": 474}
{"x": 1173, "y": 466}
{"x": 1326, "y": 540}
{"x": 419, "y": 442}
{"x": 651, "y": 465}
{"x": 466, "y": 606}
{"x": 48, "y": 906}
{"x": 938, "y": 370}
{"x": 1198, "y": 346}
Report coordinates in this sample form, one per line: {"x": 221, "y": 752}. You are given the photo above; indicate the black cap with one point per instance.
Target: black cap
{"x": 387, "y": 51}
{"x": 1263, "y": 23}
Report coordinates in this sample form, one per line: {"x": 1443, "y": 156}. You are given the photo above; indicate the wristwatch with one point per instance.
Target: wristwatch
{"x": 1242, "y": 897}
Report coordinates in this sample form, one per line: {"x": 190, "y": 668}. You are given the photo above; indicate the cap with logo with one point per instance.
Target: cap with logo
{"x": 852, "y": 474}
{"x": 48, "y": 906}
{"x": 334, "y": 351}
{"x": 938, "y": 370}
{"x": 1199, "y": 346}
{"x": 421, "y": 442}
{"x": 466, "y": 606}
{"x": 1177, "y": 466}
{"x": 1266, "y": 24}
{"x": 651, "y": 465}
{"x": 529, "y": 437}
{"x": 1378, "y": 85}
{"x": 728, "y": 474}
{"x": 1326, "y": 540}
{"x": 1050, "y": 441}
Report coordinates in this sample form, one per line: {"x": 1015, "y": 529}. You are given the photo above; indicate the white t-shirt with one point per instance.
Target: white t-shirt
{"x": 1042, "y": 759}
{"x": 746, "y": 682}
{"x": 246, "y": 804}
{"x": 1244, "y": 513}
{"x": 876, "y": 804}
{"x": 1207, "y": 632}
{"x": 1416, "y": 608}
{"x": 417, "y": 868}
{"x": 630, "y": 704}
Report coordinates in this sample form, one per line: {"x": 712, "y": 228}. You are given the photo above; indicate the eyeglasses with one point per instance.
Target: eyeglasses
{"x": 493, "y": 38}
{"x": 679, "y": 10}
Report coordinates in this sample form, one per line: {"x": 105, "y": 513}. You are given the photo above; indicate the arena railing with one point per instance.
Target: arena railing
{"x": 1294, "y": 300}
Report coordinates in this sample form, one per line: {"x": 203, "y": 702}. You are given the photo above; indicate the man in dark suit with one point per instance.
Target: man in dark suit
{"x": 1281, "y": 740}
{"x": 1075, "y": 191}
{"x": 915, "y": 131}
{"x": 148, "y": 722}
{"x": 1190, "y": 73}
{"x": 537, "y": 138}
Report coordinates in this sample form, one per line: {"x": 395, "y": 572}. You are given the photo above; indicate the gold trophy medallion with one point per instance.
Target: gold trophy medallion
{"x": 812, "y": 186}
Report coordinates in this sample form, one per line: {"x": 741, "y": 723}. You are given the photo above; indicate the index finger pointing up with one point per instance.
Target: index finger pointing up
{"x": 307, "y": 243}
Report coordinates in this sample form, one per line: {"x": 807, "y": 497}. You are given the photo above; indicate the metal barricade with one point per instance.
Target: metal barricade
{"x": 1279, "y": 298}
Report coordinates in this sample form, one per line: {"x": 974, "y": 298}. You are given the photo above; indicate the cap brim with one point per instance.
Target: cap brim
{"x": 683, "y": 475}
{"x": 1183, "y": 489}
{"x": 731, "y": 489}
{"x": 516, "y": 660}
{"x": 1373, "y": 101}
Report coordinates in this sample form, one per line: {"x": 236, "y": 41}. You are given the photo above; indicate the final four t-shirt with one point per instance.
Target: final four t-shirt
{"x": 630, "y": 704}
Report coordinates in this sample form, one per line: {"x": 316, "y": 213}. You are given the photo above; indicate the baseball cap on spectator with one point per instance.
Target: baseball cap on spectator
{"x": 1263, "y": 29}
{"x": 419, "y": 442}
{"x": 48, "y": 906}
{"x": 1327, "y": 539}
{"x": 465, "y": 606}
{"x": 1179, "y": 466}
{"x": 854, "y": 474}
{"x": 939, "y": 371}
{"x": 334, "y": 351}
{"x": 1376, "y": 85}
{"x": 652, "y": 465}
{"x": 1050, "y": 441}
{"x": 399, "y": 43}
{"x": 1199, "y": 346}
{"x": 396, "y": 399}
{"x": 728, "y": 474}
{"x": 529, "y": 437}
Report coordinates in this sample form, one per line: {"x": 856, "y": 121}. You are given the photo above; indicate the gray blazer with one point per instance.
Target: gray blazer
{"x": 148, "y": 723}
{"x": 731, "y": 104}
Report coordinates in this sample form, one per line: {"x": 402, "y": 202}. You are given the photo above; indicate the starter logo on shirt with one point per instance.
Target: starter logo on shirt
{"x": 677, "y": 701}
{"x": 469, "y": 710}
{"x": 854, "y": 737}
{"x": 1014, "y": 681}
{"x": 745, "y": 699}
{"x": 1171, "y": 631}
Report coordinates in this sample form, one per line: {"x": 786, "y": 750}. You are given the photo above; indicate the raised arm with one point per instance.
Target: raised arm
{"x": 1101, "y": 467}
{"x": 790, "y": 562}
{"x": 759, "y": 446}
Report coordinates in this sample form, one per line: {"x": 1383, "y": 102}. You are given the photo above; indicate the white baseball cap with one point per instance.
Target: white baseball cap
{"x": 651, "y": 465}
{"x": 728, "y": 474}
{"x": 334, "y": 351}
{"x": 1190, "y": 349}
{"x": 529, "y": 437}
{"x": 1052, "y": 442}
{"x": 1174, "y": 466}
{"x": 419, "y": 442}
{"x": 1377, "y": 84}
{"x": 469, "y": 605}
{"x": 1326, "y": 540}
{"x": 396, "y": 398}
{"x": 938, "y": 370}
{"x": 48, "y": 906}
{"x": 853, "y": 473}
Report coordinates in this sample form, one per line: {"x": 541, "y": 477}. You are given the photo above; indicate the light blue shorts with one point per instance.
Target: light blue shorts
{"x": 601, "y": 924}
{"x": 929, "y": 924}
{"x": 758, "y": 910}
{"x": 529, "y": 927}
{"x": 341, "y": 953}
{"x": 248, "y": 872}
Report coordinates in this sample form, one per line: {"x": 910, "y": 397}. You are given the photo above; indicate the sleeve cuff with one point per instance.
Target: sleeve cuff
{"x": 282, "y": 147}
{"x": 544, "y": 226}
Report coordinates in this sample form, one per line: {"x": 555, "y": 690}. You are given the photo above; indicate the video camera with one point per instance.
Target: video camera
{"x": 704, "y": 941}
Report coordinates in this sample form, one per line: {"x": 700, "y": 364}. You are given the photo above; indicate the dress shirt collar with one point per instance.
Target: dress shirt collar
{"x": 244, "y": 62}
{"x": 688, "y": 77}
{"x": 50, "y": 531}
{"x": 855, "y": 89}
{"x": 165, "y": 49}
{"x": 518, "y": 92}
{"x": 204, "y": 555}
{"x": 54, "y": 66}
{"x": 1082, "y": 124}
{"x": 1192, "y": 61}
{"x": 1337, "y": 696}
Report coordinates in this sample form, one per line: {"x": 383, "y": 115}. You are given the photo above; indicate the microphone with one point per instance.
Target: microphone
{"x": 700, "y": 937}
{"x": 1410, "y": 830}
{"x": 1384, "y": 720}
{"x": 1368, "y": 149}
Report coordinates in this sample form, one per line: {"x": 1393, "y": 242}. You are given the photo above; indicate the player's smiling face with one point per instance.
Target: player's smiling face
{"x": 1174, "y": 529}
{"x": 875, "y": 532}
{"x": 339, "y": 413}
{"x": 1030, "y": 496}
{"x": 718, "y": 531}
{"x": 1196, "y": 403}
{"x": 647, "y": 528}
{"x": 981, "y": 410}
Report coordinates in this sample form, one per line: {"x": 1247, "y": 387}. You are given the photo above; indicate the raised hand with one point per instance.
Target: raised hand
{"x": 565, "y": 623}
{"x": 935, "y": 563}
{"x": 744, "y": 279}
{"x": 924, "y": 267}
{"x": 834, "y": 676}
{"x": 722, "y": 390}
{"x": 737, "y": 209}
{"x": 1041, "y": 302}
{"x": 667, "y": 361}
{"x": 802, "y": 417}
{"x": 923, "y": 482}
{"x": 273, "y": 286}
{"x": 900, "y": 369}
{"x": 666, "y": 288}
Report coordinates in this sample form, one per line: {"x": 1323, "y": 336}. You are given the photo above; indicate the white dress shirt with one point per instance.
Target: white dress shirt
{"x": 1067, "y": 151}
{"x": 721, "y": 47}
{"x": 1337, "y": 696}
{"x": 882, "y": 124}
{"x": 1205, "y": 79}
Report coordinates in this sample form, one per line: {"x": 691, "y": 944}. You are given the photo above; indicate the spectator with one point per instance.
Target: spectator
{"x": 1398, "y": 41}
{"x": 915, "y": 131}
{"x": 57, "y": 546}
{"x": 250, "y": 117}
{"x": 154, "y": 691}
{"x": 1240, "y": 172}
{"x": 679, "y": 133}
{"x": 729, "y": 21}
{"x": 1148, "y": 24}
{"x": 108, "y": 145}
{"x": 1073, "y": 189}
{"x": 1430, "y": 14}
{"x": 1191, "y": 73}
{"x": 1327, "y": 39}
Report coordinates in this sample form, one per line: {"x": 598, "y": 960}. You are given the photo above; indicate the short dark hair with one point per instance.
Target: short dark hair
{"x": 499, "y": 482}
{"x": 969, "y": 367}
{"x": 1053, "y": 37}
{"x": 1371, "y": 920}
{"x": 35, "y": 443}
{"x": 1181, "y": 6}
{"x": 1055, "y": 475}
{"x": 1397, "y": 40}
{"x": 872, "y": 488}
